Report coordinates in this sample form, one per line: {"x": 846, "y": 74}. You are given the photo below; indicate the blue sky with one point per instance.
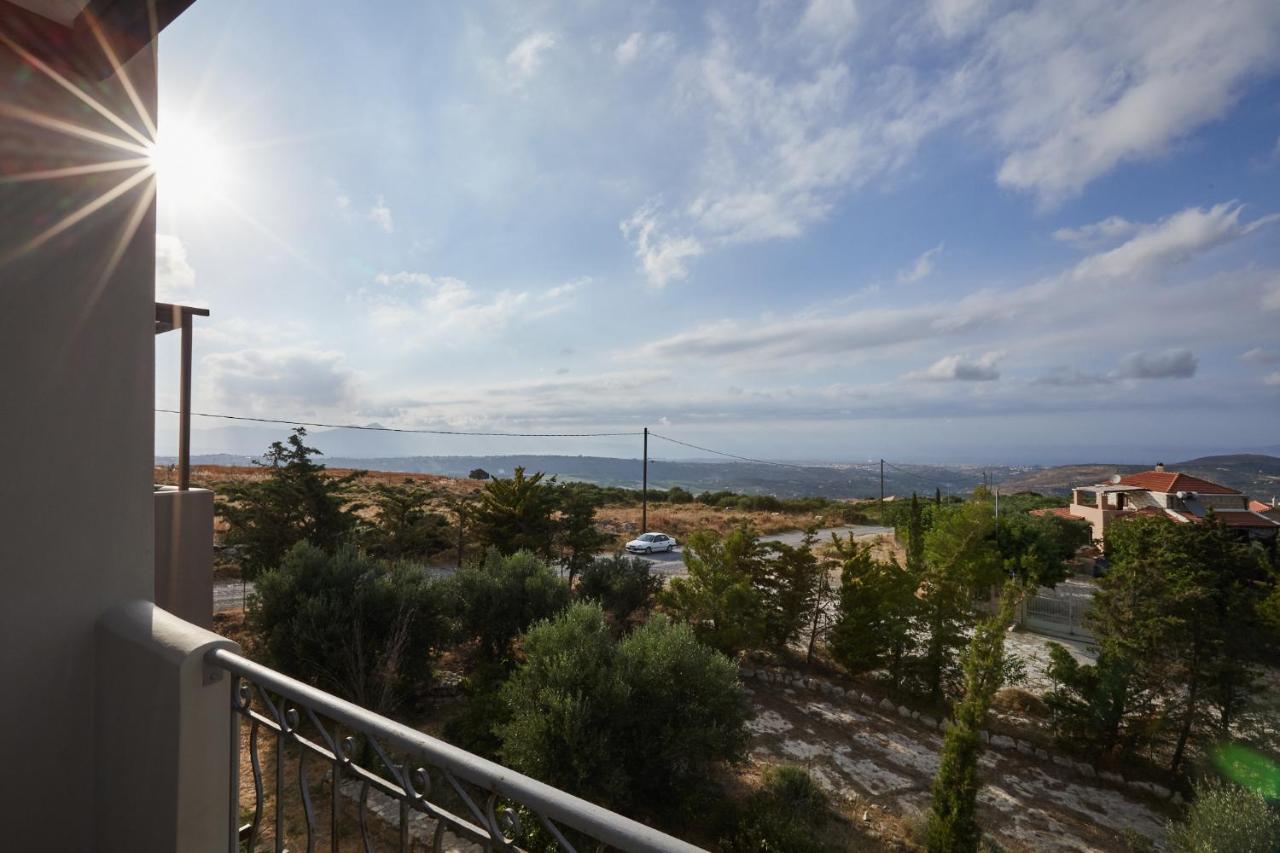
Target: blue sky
{"x": 948, "y": 231}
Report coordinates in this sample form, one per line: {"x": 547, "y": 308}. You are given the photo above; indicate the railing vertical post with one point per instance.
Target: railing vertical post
{"x": 233, "y": 798}
{"x": 184, "y": 407}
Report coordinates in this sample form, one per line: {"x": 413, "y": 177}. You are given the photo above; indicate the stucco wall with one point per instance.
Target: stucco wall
{"x": 184, "y": 554}
{"x": 76, "y": 364}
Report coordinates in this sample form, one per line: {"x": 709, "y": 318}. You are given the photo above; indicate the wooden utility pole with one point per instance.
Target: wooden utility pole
{"x": 644, "y": 486}
{"x": 882, "y": 491}
{"x": 184, "y": 407}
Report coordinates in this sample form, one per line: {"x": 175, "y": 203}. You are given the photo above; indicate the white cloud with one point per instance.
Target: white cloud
{"x": 380, "y": 215}
{"x": 289, "y": 380}
{"x": 414, "y": 308}
{"x": 960, "y": 368}
{"x": 1063, "y": 377}
{"x": 661, "y": 255}
{"x": 629, "y": 48}
{"x": 921, "y": 268}
{"x": 1097, "y": 234}
{"x": 174, "y": 275}
{"x": 560, "y": 291}
{"x": 958, "y": 17}
{"x": 1272, "y": 378}
{"x": 342, "y": 201}
{"x": 832, "y": 21}
{"x": 1081, "y": 88}
{"x": 1172, "y": 240}
{"x": 1258, "y": 355}
{"x": 526, "y": 58}
{"x": 1178, "y": 363}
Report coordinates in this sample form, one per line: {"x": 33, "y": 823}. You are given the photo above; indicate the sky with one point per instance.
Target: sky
{"x": 958, "y": 230}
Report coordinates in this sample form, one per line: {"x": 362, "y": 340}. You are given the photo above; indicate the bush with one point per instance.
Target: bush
{"x": 632, "y": 723}
{"x": 785, "y": 816}
{"x": 1226, "y": 818}
{"x": 621, "y": 584}
{"x": 404, "y": 528}
{"x": 349, "y": 624}
{"x": 500, "y": 597}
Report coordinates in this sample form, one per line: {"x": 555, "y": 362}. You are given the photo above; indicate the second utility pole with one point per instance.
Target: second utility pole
{"x": 882, "y": 491}
{"x": 644, "y": 486}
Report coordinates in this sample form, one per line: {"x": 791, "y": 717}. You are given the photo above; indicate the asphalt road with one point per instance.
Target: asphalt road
{"x": 227, "y": 595}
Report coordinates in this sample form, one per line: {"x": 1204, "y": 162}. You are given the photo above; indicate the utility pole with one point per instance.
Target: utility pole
{"x": 644, "y": 486}
{"x": 997, "y": 501}
{"x": 882, "y": 491}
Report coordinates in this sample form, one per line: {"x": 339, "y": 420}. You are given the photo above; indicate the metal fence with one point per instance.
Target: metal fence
{"x": 1058, "y": 615}
{"x": 445, "y": 797}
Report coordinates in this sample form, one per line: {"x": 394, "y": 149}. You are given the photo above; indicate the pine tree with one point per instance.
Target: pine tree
{"x": 576, "y": 534}
{"x": 517, "y": 514}
{"x": 953, "y": 826}
{"x": 874, "y": 616}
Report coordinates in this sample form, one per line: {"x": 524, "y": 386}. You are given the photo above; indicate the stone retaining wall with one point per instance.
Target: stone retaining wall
{"x": 852, "y": 695}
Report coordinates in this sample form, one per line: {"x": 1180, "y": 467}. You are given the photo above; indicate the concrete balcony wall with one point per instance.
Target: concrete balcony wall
{"x": 76, "y": 364}
{"x": 163, "y": 747}
{"x": 184, "y": 554}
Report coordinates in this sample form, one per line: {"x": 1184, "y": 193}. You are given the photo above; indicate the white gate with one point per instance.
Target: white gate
{"x": 1058, "y": 614}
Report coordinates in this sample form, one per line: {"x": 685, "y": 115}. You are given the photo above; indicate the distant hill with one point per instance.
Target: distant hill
{"x": 1255, "y": 474}
{"x": 830, "y": 480}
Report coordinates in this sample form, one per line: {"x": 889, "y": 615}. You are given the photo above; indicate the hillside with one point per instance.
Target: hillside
{"x": 1255, "y": 474}
{"x": 818, "y": 480}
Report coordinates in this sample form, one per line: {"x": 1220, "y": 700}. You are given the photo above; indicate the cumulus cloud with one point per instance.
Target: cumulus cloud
{"x": 640, "y": 43}
{"x": 629, "y": 48}
{"x": 921, "y": 268}
{"x": 1260, "y": 355}
{"x": 1177, "y": 363}
{"x": 416, "y": 307}
{"x": 960, "y": 368}
{"x": 175, "y": 276}
{"x": 380, "y": 215}
{"x": 1173, "y": 240}
{"x": 296, "y": 380}
{"x": 526, "y": 58}
{"x": 661, "y": 255}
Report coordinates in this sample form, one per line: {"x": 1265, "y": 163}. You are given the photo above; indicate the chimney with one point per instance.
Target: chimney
{"x": 1160, "y": 467}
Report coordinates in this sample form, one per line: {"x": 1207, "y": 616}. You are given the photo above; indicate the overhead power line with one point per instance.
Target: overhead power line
{"x": 400, "y": 429}
{"x": 731, "y": 455}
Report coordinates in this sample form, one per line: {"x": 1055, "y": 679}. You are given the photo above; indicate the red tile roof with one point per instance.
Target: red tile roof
{"x": 1168, "y": 482}
{"x": 1240, "y": 518}
{"x": 1259, "y": 506}
{"x": 1060, "y": 511}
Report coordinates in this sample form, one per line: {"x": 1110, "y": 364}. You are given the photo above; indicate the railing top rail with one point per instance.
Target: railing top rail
{"x": 600, "y": 823}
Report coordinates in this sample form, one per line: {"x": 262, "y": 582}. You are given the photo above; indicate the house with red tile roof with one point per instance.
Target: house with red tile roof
{"x": 1180, "y": 497}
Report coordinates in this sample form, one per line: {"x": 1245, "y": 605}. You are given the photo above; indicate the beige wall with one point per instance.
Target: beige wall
{"x": 184, "y": 554}
{"x": 76, "y": 364}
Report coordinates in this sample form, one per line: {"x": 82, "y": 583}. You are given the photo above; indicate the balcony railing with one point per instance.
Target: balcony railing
{"x": 439, "y": 790}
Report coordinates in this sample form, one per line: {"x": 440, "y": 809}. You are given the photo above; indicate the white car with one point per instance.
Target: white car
{"x": 647, "y": 543}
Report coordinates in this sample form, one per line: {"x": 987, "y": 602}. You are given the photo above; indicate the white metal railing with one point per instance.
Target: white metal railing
{"x": 461, "y": 795}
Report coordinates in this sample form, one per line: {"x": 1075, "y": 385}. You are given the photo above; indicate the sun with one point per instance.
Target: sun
{"x": 190, "y": 164}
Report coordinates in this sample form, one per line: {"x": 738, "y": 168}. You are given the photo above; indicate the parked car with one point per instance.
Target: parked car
{"x": 647, "y": 543}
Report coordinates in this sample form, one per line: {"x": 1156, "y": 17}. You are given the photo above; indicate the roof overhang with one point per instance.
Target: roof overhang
{"x": 169, "y": 317}
{"x": 60, "y": 32}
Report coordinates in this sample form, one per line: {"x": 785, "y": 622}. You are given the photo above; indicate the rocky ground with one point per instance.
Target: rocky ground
{"x": 879, "y": 766}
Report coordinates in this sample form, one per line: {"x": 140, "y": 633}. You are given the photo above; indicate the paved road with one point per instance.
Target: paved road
{"x": 228, "y": 595}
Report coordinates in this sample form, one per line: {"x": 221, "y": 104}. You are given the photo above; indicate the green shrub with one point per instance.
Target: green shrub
{"x": 621, "y": 584}
{"x": 349, "y": 624}
{"x": 631, "y": 723}
{"x": 786, "y": 816}
{"x": 1226, "y": 818}
{"x": 500, "y": 597}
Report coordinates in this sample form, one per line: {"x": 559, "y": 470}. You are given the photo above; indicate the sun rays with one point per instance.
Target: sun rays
{"x": 192, "y": 168}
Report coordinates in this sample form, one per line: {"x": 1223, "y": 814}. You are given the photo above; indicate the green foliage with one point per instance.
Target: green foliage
{"x": 787, "y": 582}
{"x": 404, "y": 529}
{"x": 1036, "y": 549}
{"x": 953, "y": 826}
{"x": 498, "y": 598}
{"x": 576, "y": 535}
{"x": 296, "y": 502}
{"x": 875, "y": 611}
{"x": 960, "y": 561}
{"x": 1088, "y": 701}
{"x": 517, "y": 514}
{"x": 786, "y": 815}
{"x": 351, "y": 625}
{"x": 718, "y": 598}
{"x": 1181, "y": 613}
{"x": 478, "y": 474}
{"x": 474, "y": 729}
{"x": 636, "y": 722}
{"x": 1226, "y": 819}
{"x": 622, "y": 585}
